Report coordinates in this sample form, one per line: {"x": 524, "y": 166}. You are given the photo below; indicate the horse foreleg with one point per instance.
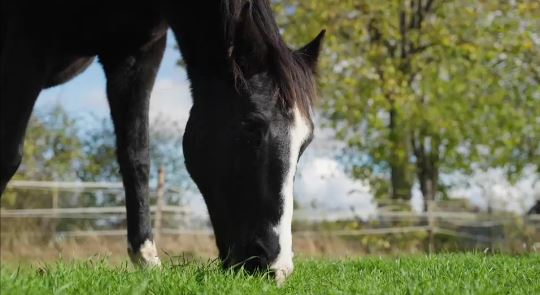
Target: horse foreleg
{"x": 22, "y": 76}
{"x": 130, "y": 78}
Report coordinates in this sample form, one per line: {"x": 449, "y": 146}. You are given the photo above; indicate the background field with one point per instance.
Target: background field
{"x": 438, "y": 274}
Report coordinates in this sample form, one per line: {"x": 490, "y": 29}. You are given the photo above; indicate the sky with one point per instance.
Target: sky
{"x": 321, "y": 181}
{"x": 85, "y": 94}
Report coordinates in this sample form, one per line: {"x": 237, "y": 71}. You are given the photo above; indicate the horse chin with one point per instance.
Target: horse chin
{"x": 281, "y": 275}
{"x": 282, "y": 269}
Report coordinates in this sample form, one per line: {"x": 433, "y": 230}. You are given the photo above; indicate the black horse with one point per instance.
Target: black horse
{"x": 250, "y": 120}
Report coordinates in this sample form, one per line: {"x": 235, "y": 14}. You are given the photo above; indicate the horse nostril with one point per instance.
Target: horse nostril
{"x": 258, "y": 252}
{"x": 257, "y": 256}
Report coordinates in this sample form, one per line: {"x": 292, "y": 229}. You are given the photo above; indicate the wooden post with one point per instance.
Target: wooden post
{"x": 54, "y": 206}
{"x": 160, "y": 192}
{"x": 55, "y": 197}
{"x": 431, "y": 226}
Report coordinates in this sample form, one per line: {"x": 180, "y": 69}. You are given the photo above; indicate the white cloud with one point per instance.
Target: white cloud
{"x": 491, "y": 188}
{"x": 172, "y": 99}
{"x": 322, "y": 184}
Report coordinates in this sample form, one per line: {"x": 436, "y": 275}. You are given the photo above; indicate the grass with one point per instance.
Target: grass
{"x": 438, "y": 274}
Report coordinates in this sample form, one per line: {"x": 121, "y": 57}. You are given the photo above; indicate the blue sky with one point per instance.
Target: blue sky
{"x": 85, "y": 94}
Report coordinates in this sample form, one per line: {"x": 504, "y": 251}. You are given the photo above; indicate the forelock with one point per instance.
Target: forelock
{"x": 293, "y": 78}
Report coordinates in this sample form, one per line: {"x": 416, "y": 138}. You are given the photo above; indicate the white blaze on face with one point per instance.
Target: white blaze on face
{"x": 298, "y": 133}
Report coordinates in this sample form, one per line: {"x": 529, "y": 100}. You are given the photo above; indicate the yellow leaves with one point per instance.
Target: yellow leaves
{"x": 527, "y": 44}
{"x": 376, "y": 52}
{"x": 469, "y": 11}
{"x": 469, "y": 48}
{"x": 391, "y": 83}
{"x": 446, "y": 41}
{"x": 528, "y": 6}
{"x": 349, "y": 81}
{"x": 390, "y": 70}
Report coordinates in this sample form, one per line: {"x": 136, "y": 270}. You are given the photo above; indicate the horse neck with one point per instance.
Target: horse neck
{"x": 199, "y": 31}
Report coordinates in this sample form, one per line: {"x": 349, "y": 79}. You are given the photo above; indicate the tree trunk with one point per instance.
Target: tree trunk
{"x": 426, "y": 166}
{"x": 401, "y": 180}
{"x": 401, "y": 174}
{"x": 428, "y": 186}
{"x": 410, "y": 17}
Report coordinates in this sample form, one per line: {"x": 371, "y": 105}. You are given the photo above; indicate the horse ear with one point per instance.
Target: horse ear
{"x": 310, "y": 52}
{"x": 247, "y": 42}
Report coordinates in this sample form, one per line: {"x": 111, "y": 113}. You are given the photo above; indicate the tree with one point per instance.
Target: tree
{"x": 423, "y": 87}
{"x": 100, "y": 149}
{"x": 52, "y": 149}
{"x": 165, "y": 150}
{"x": 52, "y": 152}
{"x": 59, "y": 147}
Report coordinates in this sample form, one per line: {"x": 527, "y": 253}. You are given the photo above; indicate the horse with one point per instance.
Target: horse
{"x": 250, "y": 121}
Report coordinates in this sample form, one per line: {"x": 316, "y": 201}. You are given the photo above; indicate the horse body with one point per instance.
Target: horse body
{"x": 66, "y": 35}
{"x": 249, "y": 122}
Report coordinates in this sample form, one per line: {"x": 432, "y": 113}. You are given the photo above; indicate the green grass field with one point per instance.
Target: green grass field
{"x": 438, "y": 274}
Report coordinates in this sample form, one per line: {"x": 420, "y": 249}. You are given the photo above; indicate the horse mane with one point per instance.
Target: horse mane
{"x": 294, "y": 78}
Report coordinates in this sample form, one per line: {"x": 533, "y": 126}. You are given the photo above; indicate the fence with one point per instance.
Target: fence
{"x": 158, "y": 211}
{"x": 390, "y": 219}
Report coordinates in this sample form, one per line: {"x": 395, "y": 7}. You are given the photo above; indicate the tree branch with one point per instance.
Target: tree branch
{"x": 403, "y": 31}
{"x": 418, "y": 49}
{"x": 428, "y": 6}
{"x": 375, "y": 36}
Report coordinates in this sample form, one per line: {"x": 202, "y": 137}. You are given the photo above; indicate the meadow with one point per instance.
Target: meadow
{"x": 470, "y": 273}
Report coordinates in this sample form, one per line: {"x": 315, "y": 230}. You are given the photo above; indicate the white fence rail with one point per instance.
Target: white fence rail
{"x": 88, "y": 212}
{"x": 434, "y": 221}
{"x": 64, "y": 185}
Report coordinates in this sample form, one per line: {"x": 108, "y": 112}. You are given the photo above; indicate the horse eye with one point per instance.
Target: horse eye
{"x": 253, "y": 124}
{"x": 248, "y": 126}
{"x": 252, "y": 131}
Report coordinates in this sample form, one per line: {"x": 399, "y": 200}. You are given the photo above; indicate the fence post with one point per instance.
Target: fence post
{"x": 54, "y": 206}
{"x": 431, "y": 226}
{"x": 55, "y": 197}
{"x": 160, "y": 192}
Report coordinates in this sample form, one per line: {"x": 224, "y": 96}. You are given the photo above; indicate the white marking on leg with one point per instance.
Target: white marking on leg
{"x": 283, "y": 265}
{"x": 147, "y": 255}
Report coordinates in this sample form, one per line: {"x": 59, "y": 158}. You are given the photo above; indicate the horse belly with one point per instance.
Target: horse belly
{"x": 67, "y": 70}
{"x": 79, "y": 28}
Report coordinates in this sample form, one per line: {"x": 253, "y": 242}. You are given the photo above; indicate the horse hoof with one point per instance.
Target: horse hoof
{"x": 146, "y": 257}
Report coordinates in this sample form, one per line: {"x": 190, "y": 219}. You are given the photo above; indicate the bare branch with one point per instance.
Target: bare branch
{"x": 403, "y": 31}
{"x": 428, "y": 6}
{"x": 420, "y": 48}
{"x": 375, "y": 36}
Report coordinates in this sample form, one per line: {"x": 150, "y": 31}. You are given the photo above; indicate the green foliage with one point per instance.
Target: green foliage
{"x": 53, "y": 148}
{"x": 166, "y": 151}
{"x": 424, "y": 87}
{"x": 59, "y": 147}
{"x": 100, "y": 149}
{"x": 438, "y": 274}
